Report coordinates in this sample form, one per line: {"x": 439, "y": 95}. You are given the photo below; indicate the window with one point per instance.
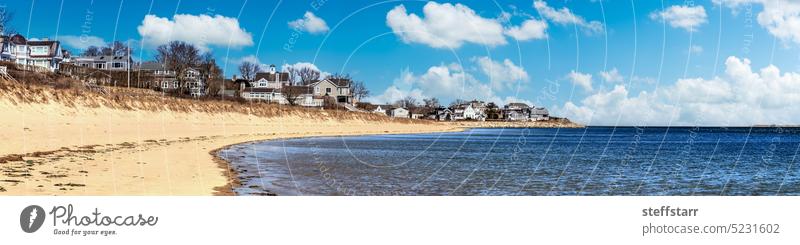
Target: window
{"x": 316, "y": 90}
{"x": 328, "y": 90}
{"x": 117, "y": 65}
{"x": 175, "y": 84}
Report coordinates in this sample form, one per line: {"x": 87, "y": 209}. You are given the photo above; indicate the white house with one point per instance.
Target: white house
{"x": 398, "y": 112}
{"x": 271, "y": 79}
{"x": 467, "y": 112}
{"x": 381, "y": 109}
{"x": 44, "y": 54}
{"x": 540, "y": 114}
{"x": 260, "y": 94}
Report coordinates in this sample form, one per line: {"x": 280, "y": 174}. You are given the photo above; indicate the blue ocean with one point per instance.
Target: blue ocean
{"x": 595, "y": 161}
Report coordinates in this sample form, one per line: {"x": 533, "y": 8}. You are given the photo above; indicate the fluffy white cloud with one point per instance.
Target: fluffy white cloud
{"x": 501, "y": 75}
{"x": 200, "y": 30}
{"x": 681, "y": 16}
{"x": 564, "y": 16}
{"x": 611, "y": 76}
{"x": 530, "y": 29}
{"x": 780, "y": 17}
{"x": 82, "y": 42}
{"x": 445, "y": 26}
{"x": 445, "y": 82}
{"x": 301, "y": 65}
{"x": 741, "y": 97}
{"x": 696, "y": 49}
{"x": 310, "y": 23}
{"x": 582, "y": 80}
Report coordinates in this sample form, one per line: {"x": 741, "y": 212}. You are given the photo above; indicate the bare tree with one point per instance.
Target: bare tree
{"x": 458, "y": 102}
{"x": 431, "y": 102}
{"x": 248, "y": 70}
{"x": 408, "y": 102}
{"x": 303, "y": 76}
{"x": 180, "y": 57}
{"x": 117, "y": 48}
{"x": 292, "y": 93}
{"x": 91, "y": 51}
{"x": 359, "y": 90}
{"x": 5, "y": 18}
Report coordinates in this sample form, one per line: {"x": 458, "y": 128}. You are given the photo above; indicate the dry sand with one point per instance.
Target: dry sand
{"x": 53, "y": 149}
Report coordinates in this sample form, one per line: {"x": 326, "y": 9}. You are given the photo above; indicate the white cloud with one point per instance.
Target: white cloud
{"x": 446, "y": 82}
{"x": 301, "y": 65}
{"x": 564, "y": 16}
{"x": 200, "y": 30}
{"x": 82, "y": 42}
{"x": 741, "y": 97}
{"x": 780, "y": 17}
{"x": 696, "y": 49}
{"x": 445, "y": 26}
{"x": 501, "y": 75}
{"x": 530, "y": 29}
{"x": 684, "y": 17}
{"x": 611, "y": 76}
{"x": 582, "y": 80}
{"x": 310, "y": 23}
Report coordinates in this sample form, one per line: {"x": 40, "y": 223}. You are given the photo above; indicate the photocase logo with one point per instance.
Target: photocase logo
{"x": 31, "y": 218}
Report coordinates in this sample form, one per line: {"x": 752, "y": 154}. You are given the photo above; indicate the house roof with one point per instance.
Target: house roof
{"x": 341, "y": 82}
{"x": 278, "y": 76}
{"x": 153, "y": 66}
{"x": 259, "y": 90}
{"x": 18, "y": 39}
{"x": 522, "y": 105}
{"x": 110, "y": 58}
{"x": 54, "y": 47}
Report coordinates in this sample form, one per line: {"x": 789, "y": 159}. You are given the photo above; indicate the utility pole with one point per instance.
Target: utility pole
{"x": 129, "y": 61}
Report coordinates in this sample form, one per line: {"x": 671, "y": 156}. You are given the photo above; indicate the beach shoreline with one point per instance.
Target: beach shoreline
{"x": 234, "y": 181}
{"x": 138, "y": 142}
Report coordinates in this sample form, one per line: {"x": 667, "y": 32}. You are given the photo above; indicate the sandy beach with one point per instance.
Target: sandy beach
{"x": 140, "y": 142}
{"x": 60, "y": 143}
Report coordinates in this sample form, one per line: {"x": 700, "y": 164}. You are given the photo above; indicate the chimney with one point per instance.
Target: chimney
{"x": 234, "y": 78}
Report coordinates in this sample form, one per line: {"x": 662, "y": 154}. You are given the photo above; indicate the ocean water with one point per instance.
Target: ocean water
{"x": 617, "y": 161}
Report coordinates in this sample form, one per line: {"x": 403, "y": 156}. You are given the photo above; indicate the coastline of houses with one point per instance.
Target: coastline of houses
{"x": 469, "y": 111}
{"x": 270, "y": 86}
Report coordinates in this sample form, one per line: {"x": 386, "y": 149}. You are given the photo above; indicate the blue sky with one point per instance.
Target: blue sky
{"x": 597, "y": 62}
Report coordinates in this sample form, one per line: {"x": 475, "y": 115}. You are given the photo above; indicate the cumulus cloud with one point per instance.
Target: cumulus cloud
{"x": 740, "y": 97}
{"x": 528, "y": 30}
{"x": 301, "y": 65}
{"x": 611, "y": 76}
{"x": 564, "y": 16}
{"x": 201, "y": 30}
{"x": 503, "y": 74}
{"x": 780, "y": 17}
{"x": 582, "y": 80}
{"x": 682, "y": 16}
{"x": 310, "y": 23}
{"x": 445, "y": 26}
{"x": 696, "y": 49}
{"x": 446, "y": 82}
{"x": 82, "y": 42}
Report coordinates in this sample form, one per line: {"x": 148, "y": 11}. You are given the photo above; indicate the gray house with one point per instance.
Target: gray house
{"x": 105, "y": 62}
